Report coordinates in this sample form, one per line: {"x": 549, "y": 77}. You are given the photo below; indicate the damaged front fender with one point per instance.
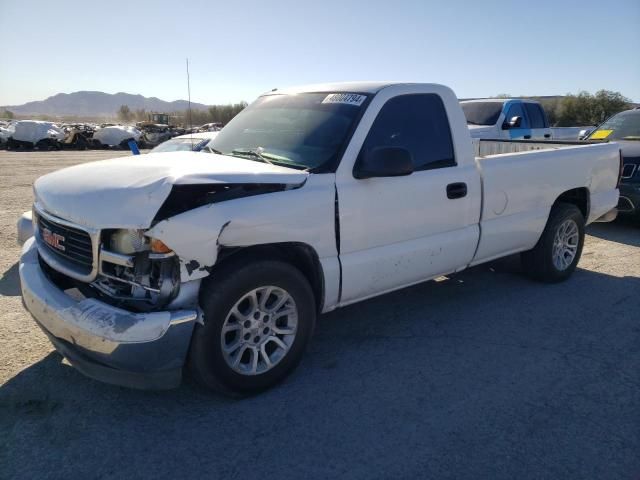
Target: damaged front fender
{"x": 303, "y": 215}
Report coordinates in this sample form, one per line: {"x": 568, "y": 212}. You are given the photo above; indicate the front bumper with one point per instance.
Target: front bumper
{"x": 25, "y": 227}
{"x": 138, "y": 350}
{"x": 629, "y": 203}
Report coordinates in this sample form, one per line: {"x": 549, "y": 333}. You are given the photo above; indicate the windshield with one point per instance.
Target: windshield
{"x": 305, "y": 131}
{"x": 622, "y": 126}
{"x": 482, "y": 113}
{"x": 181, "y": 144}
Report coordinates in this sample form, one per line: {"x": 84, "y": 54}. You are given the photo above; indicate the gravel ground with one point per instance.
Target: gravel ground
{"x": 484, "y": 375}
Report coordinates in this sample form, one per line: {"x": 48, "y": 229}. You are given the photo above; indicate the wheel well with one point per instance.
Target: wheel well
{"x": 578, "y": 197}
{"x": 300, "y": 255}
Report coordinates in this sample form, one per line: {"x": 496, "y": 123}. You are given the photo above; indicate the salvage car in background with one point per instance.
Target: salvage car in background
{"x": 78, "y": 136}
{"x": 624, "y": 129}
{"x": 210, "y": 127}
{"x": 153, "y": 134}
{"x": 312, "y": 199}
{"x": 191, "y": 141}
{"x": 35, "y": 134}
{"x": 115, "y": 136}
{"x": 6, "y": 131}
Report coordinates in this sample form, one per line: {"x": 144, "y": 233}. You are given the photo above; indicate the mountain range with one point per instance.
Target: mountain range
{"x": 96, "y": 104}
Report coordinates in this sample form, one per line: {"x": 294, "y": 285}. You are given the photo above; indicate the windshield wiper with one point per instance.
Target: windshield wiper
{"x": 252, "y": 152}
{"x": 259, "y": 154}
{"x": 212, "y": 150}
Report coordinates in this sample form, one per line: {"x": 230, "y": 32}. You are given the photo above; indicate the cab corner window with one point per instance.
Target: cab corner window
{"x": 417, "y": 123}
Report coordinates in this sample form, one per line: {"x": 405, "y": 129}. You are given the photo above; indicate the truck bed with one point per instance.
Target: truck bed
{"x": 522, "y": 179}
{"x": 485, "y": 148}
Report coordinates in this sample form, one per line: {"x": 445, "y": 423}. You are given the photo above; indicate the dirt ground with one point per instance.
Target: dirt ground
{"x": 484, "y": 375}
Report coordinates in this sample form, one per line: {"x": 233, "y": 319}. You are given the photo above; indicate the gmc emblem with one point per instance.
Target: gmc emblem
{"x": 53, "y": 239}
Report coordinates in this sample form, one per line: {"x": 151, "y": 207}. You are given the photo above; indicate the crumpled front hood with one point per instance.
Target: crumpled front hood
{"x": 127, "y": 192}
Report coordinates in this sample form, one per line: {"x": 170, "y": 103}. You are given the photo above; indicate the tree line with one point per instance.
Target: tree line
{"x": 581, "y": 109}
{"x": 215, "y": 113}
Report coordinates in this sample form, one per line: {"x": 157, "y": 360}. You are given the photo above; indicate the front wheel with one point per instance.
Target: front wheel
{"x": 556, "y": 255}
{"x": 258, "y": 319}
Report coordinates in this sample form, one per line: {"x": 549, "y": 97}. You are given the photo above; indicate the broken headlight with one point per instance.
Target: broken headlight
{"x": 128, "y": 241}
{"x": 131, "y": 274}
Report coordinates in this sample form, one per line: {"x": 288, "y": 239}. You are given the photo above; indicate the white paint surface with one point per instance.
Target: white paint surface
{"x": 393, "y": 231}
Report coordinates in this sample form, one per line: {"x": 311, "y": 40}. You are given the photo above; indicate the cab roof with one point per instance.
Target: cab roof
{"x": 340, "y": 87}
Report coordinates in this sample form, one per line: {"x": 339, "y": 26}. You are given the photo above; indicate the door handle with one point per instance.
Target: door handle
{"x": 456, "y": 190}
{"x": 527, "y": 137}
{"x": 547, "y": 135}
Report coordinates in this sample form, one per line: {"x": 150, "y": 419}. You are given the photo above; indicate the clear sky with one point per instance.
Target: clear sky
{"x": 238, "y": 49}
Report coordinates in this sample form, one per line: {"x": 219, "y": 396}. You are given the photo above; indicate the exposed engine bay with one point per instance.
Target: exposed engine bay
{"x": 132, "y": 275}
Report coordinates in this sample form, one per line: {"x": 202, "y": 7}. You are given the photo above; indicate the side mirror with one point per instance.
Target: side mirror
{"x": 384, "y": 162}
{"x": 515, "y": 122}
{"x": 583, "y": 134}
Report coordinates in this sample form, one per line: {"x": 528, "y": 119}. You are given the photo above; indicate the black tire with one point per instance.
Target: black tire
{"x": 124, "y": 144}
{"x": 219, "y": 295}
{"x": 44, "y": 145}
{"x": 538, "y": 262}
{"x": 81, "y": 143}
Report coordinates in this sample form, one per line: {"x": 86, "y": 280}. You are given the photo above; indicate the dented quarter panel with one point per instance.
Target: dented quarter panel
{"x": 304, "y": 215}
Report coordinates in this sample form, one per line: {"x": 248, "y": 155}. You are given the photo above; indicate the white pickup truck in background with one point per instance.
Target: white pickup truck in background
{"x": 513, "y": 119}
{"x": 311, "y": 199}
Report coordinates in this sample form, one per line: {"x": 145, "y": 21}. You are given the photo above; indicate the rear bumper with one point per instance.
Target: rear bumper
{"x": 139, "y": 350}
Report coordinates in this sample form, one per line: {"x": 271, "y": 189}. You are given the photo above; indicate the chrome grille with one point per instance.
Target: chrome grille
{"x": 66, "y": 247}
{"x": 75, "y": 245}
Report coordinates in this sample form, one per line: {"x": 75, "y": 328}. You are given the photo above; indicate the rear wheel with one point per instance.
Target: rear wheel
{"x": 258, "y": 319}
{"x": 557, "y": 253}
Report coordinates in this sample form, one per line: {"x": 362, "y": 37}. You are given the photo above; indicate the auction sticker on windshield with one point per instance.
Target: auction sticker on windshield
{"x": 345, "y": 98}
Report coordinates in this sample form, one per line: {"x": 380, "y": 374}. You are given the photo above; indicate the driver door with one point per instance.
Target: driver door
{"x": 396, "y": 231}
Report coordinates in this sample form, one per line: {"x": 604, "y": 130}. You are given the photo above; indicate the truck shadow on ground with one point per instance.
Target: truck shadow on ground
{"x": 10, "y": 282}
{"x": 623, "y": 230}
{"x": 486, "y": 364}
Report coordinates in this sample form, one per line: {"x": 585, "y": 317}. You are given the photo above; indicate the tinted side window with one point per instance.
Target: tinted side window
{"x": 418, "y": 123}
{"x": 536, "y": 115}
{"x": 515, "y": 110}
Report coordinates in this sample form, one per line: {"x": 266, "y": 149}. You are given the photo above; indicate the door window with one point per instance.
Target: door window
{"x": 418, "y": 123}
{"x": 516, "y": 110}
{"x": 536, "y": 115}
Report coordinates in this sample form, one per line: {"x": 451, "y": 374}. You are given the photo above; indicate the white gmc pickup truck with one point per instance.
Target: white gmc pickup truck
{"x": 311, "y": 199}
